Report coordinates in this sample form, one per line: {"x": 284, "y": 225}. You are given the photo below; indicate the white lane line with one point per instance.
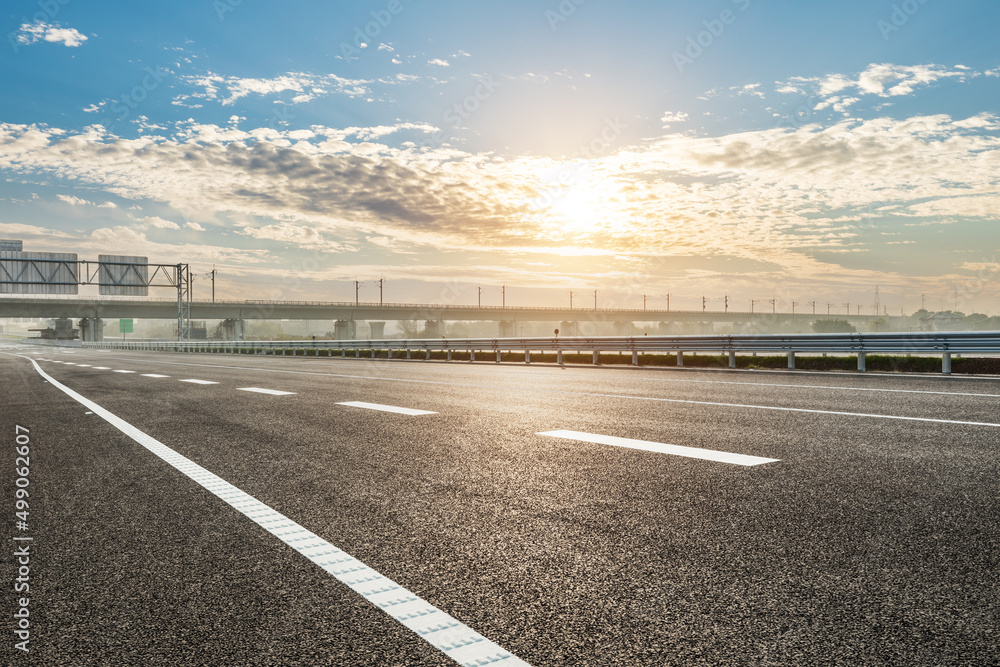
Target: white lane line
{"x": 200, "y": 381}
{"x": 102, "y": 368}
{"x": 123, "y": 371}
{"x": 387, "y": 408}
{"x": 84, "y": 365}
{"x": 272, "y": 392}
{"x": 154, "y": 375}
{"x": 568, "y": 392}
{"x": 662, "y": 448}
{"x": 442, "y": 631}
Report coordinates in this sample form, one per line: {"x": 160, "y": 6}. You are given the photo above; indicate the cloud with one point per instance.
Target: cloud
{"x": 881, "y": 80}
{"x": 671, "y": 117}
{"x": 158, "y": 223}
{"x": 305, "y": 87}
{"x": 30, "y": 33}
{"x": 195, "y": 226}
{"x": 780, "y": 197}
{"x": 439, "y": 62}
{"x": 76, "y": 201}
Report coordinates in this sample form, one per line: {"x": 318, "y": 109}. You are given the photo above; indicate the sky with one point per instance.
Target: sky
{"x": 807, "y": 152}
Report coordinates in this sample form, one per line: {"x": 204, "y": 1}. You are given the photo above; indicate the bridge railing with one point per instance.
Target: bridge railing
{"x": 936, "y": 343}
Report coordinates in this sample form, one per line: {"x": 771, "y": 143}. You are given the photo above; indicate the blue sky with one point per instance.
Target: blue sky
{"x": 797, "y": 151}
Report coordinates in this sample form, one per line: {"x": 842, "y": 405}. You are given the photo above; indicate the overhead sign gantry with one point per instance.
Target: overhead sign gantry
{"x": 115, "y": 275}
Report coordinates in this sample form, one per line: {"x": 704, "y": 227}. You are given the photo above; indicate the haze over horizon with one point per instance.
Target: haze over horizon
{"x": 802, "y": 153}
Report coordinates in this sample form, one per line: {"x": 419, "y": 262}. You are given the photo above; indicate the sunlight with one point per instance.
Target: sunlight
{"x": 585, "y": 208}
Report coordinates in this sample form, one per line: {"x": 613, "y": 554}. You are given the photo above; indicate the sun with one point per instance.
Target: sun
{"x": 585, "y": 209}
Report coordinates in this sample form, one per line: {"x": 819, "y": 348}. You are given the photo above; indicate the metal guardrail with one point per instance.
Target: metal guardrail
{"x": 943, "y": 343}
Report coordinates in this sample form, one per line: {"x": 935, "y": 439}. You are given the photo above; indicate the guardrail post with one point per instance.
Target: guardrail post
{"x": 861, "y": 361}
{"x": 559, "y": 357}
{"x": 343, "y": 353}
{"x": 472, "y": 355}
{"x": 732, "y": 359}
{"x": 498, "y": 356}
{"x": 635, "y": 358}
{"x": 597, "y": 361}
{"x": 388, "y": 353}
{"x": 373, "y": 353}
{"x": 791, "y": 361}
{"x": 946, "y": 363}
{"x": 449, "y": 355}
{"x": 427, "y": 354}
{"x": 680, "y": 358}
{"x": 357, "y": 353}
{"x": 408, "y": 353}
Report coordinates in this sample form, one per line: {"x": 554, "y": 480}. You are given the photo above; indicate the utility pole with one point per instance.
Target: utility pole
{"x": 752, "y": 302}
{"x": 213, "y": 282}
{"x": 357, "y": 293}
{"x": 703, "y": 304}
{"x": 668, "y": 303}
{"x": 794, "y": 303}
{"x": 848, "y": 306}
{"x": 859, "y": 309}
{"x": 773, "y": 307}
{"x": 480, "y": 290}
{"x": 828, "y": 307}
{"x": 571, "y": 300}
{"x": 813, "y": 304}
{"x": 726, "y": 301}
{"x": 503, "y": 296}
{"x": 380, "y": 281}
{"x": 595, "y": 299}
{"x": 644, "y": 303}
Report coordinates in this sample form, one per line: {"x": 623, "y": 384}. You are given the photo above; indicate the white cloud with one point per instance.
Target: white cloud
{"x": 159, "y": 223}
{"x": 29, "y": 33}
{"x": 77, "y": 201}
{"x": 195, "y": 226}
{"x": 439, "y": 62}
{"x": 385, "y": 47}
{"x": 305, "y": 87}
{"x": 673, "y": 117}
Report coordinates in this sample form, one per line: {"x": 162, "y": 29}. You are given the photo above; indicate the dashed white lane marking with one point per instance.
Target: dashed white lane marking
{"x": 629, "y": 397}
{"x": 200, "y": 381}
{"x": 101, "y": 368}
{"x": 84, "y": 365}
{"x": 442, "y": 631}
{"x": 154, "y": 375}
{"x": 123, "y": 371}
{"x": 387, "y": 408}
{"x": 661, "y": 448}
{"x": 272, "y": 392}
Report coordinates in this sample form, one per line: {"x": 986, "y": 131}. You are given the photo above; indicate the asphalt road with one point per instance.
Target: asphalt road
{"x": 872, "y": 538}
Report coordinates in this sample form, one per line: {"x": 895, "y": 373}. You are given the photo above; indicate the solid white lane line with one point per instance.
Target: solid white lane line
{"x": 583, "y": 393}
{"x": 387, "y": 408}
{"x": 661, "y": 448}
{"x": 442, "y": 631}
{"x": 154, "y": 375}
{"x": 272, "y": 392}
{"x": 200, "y": 381}
{"x": 124, "y": 371}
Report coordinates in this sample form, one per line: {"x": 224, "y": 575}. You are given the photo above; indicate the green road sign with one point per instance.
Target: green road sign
{"x": 125, "y": 326}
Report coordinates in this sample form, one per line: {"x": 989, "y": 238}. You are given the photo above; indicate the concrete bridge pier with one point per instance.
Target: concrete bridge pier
{"x": 623, "y": 328}
{"x": 377, "y": 330}
{"x": 569, "y": 329}
{"x": 507, "y": 329}
{"x": 233, "y": 329}
{"x": 434, "y": 329}
{"x": 92, "y": 329}
{"x": 345, "y": 330}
